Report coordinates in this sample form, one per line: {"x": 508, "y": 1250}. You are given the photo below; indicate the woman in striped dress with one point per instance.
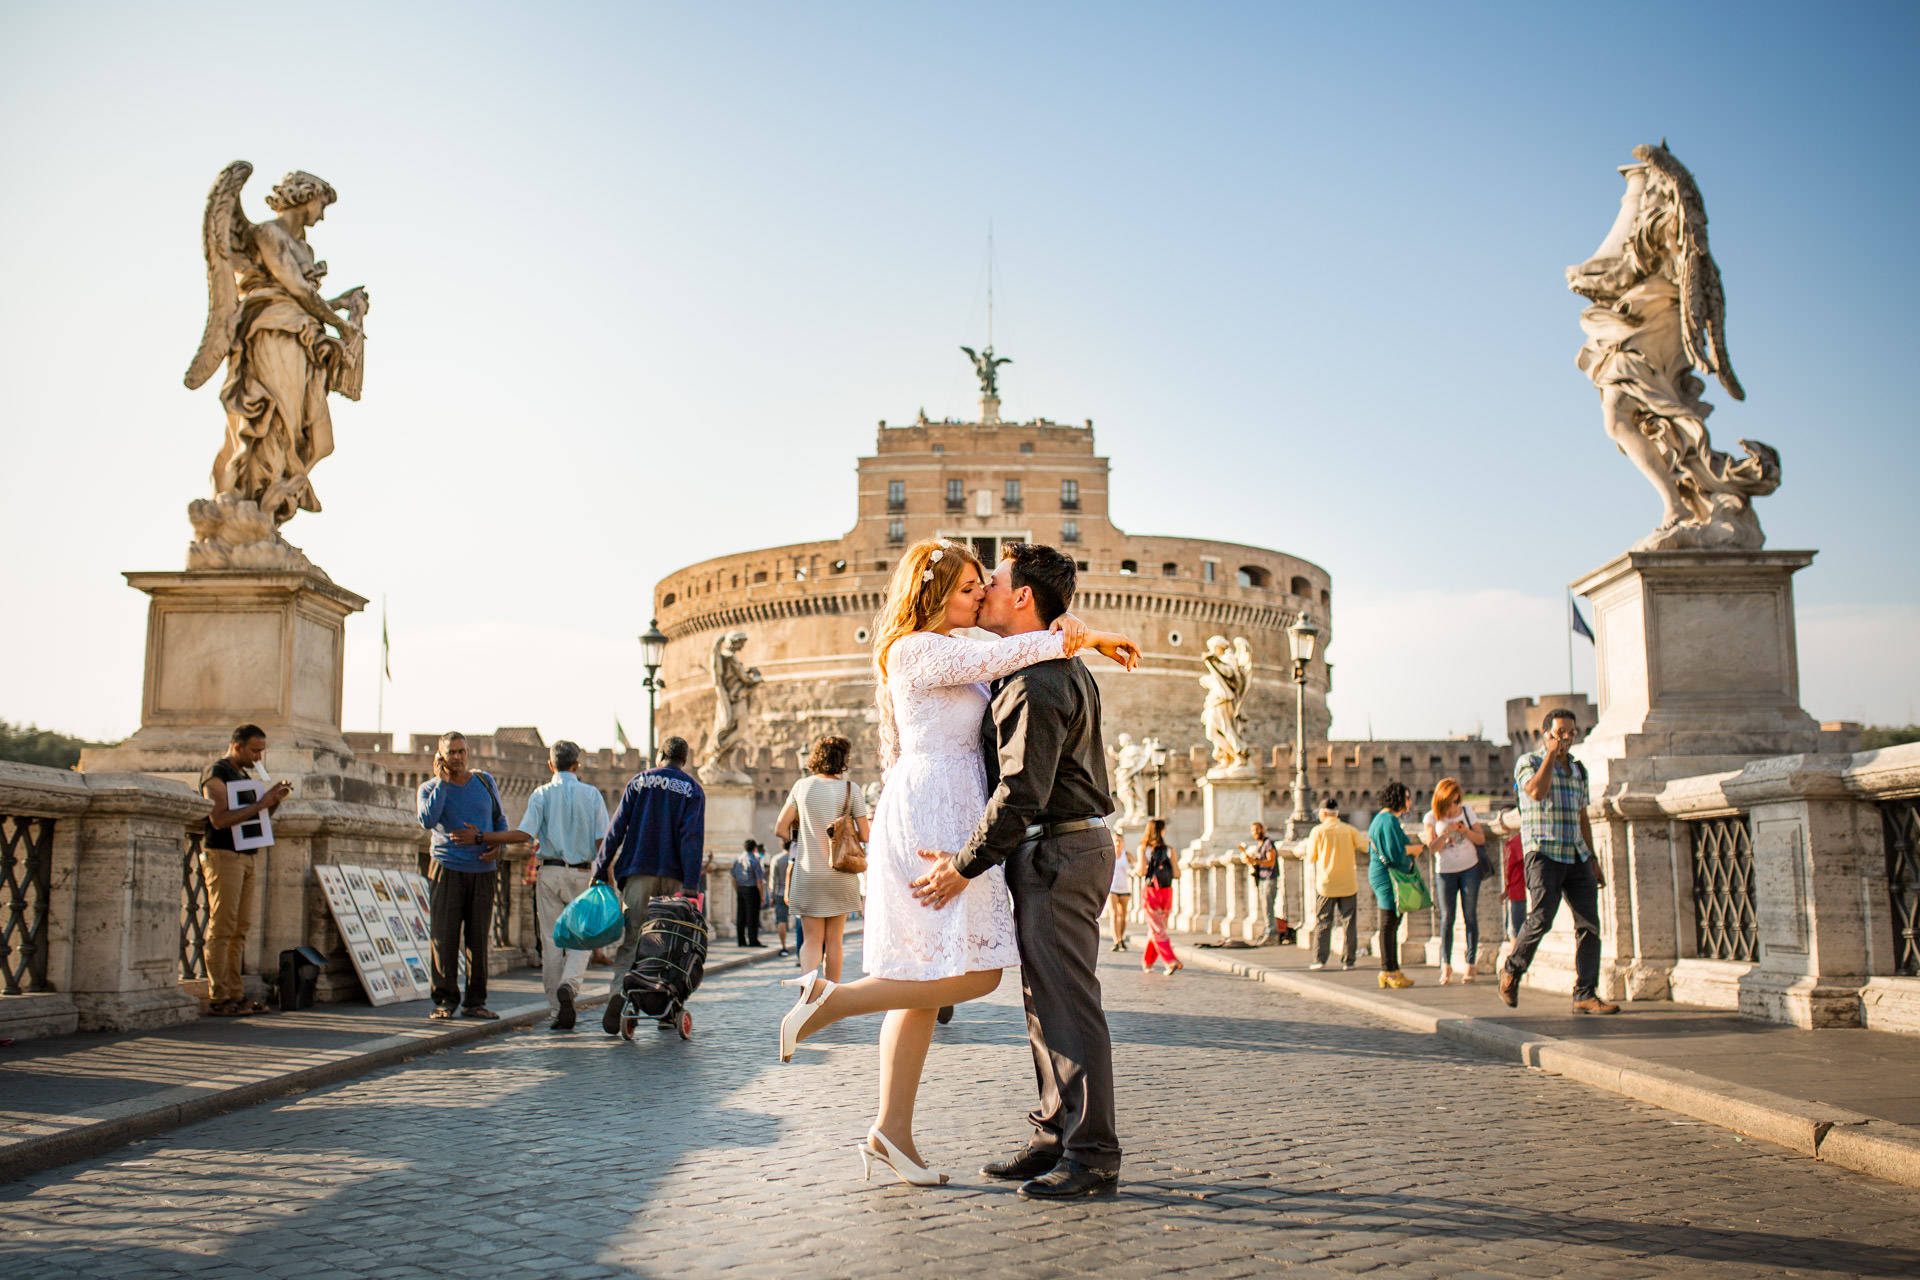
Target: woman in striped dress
{"x": 819, "y": 895}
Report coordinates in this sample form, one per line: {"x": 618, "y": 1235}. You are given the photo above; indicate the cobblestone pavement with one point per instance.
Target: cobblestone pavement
{"x": 1265, "y": 1135}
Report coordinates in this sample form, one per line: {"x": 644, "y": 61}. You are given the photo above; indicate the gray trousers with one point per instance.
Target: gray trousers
{"x": 556, "y": 887}
{"x": 1059, "y": 887}
{"x": 634, "y": 896}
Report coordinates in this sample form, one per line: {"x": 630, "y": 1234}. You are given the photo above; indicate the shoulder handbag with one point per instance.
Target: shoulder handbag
{"x": 1410, "y": 891}
{"x": 844, "y": 850}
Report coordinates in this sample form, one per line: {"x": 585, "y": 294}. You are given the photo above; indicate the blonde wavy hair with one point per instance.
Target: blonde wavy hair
{"x": 923, "y": 582}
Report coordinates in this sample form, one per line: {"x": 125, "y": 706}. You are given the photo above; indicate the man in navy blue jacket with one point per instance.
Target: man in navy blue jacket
{"x": 655, "y": 846}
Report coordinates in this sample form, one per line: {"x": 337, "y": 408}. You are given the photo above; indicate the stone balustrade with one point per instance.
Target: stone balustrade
{"x": 102, "y": 907}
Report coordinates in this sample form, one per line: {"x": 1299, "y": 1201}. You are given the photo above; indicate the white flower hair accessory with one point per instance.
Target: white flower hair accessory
{"x": 926, "y": 575}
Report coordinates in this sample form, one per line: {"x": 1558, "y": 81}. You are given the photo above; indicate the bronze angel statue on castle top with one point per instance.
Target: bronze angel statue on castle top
{"x": 286, "y": 346}
{"x": 1657, "y": 322}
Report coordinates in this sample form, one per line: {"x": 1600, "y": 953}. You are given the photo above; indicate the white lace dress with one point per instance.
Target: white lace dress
{"x": 933, "y": 799}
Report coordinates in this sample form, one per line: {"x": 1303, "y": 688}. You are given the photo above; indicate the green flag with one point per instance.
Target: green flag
{"x": 621, "y": 735}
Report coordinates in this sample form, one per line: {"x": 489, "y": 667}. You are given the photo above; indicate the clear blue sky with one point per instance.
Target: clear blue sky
{"x": 644, "y": 277}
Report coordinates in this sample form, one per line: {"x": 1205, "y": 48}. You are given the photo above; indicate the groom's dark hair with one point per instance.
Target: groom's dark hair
{"x": 1046, "y": 572}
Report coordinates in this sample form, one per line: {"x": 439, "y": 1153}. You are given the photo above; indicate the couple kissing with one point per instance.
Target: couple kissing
{"x": 988, "y": 849}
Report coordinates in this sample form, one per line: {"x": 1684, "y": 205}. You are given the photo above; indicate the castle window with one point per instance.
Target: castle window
{"x": 939, "y": 448}
{"x": 1169, "y": 570}
{"x": 956, "y": 495}
{"x": 1010, "y": 496}
{"x": 1252, "y": 575}
{"x": 1069, "y": 495}
{"x": 1069, "y": 531}
{"x": 1326, "y": 599}
{"x": 760, "y": 577}
{"x": 668, "y": 599}
{"x": 736, "y": 579}
{"x": 839, "y": 566}
{"x": 1026, "y": 448}
{"x": 1129, "y": 566}
{"x": 1081, "y": 565}
{"x": 1301, "y": 587}
{"x": 896, "y": 495}
{"x": 896, "y": 531}
{"x": 1210, "y": 570}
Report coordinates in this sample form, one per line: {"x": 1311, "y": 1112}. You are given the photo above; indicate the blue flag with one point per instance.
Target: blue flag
{"x": 1580, "y": 627}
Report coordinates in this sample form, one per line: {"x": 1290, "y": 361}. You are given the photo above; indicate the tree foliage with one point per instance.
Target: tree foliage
{"x": 30, "y": 744}
{"x": 1875, "y": 736}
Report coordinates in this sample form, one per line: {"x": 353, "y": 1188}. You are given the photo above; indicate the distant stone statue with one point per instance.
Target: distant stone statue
{"x": 733, "y": 680}
{"x": 1129, "y": 774}
{"x": 1657, "y": 321}
{"x": 1229, "y": 676}
{"x": 987, "y": 366}
{"x": 268, "y": 321}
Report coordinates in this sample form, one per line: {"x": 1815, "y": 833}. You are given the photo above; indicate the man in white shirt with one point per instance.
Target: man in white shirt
{"x": 568, "y": 819}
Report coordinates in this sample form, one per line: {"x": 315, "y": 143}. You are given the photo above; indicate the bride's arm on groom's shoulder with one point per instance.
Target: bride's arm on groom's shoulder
{"x": 1116, "y": 646}
{"x": 925, "y": 660}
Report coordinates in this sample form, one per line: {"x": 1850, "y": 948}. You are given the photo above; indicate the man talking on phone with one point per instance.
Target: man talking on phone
{"x": 1557, "y": 851}
{"x": 462, "y": 809}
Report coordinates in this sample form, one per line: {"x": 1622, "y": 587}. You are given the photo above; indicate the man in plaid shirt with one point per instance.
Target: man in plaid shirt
{"x": 1557, "y": 848}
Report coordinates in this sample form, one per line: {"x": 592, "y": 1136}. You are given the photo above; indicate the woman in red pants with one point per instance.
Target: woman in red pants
{"x": 1158, "y": 867}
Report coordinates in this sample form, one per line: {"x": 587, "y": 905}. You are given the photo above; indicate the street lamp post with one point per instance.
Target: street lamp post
{"x": 1300, "y": 637}
{"x": 653, "y": 650}
{"x": 1157, "y": 757}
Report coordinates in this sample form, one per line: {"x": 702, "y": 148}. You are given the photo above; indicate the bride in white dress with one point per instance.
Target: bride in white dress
{"x": 932, "y": 690}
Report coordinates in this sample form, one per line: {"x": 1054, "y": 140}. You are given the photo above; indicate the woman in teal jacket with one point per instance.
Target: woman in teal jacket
{"x": 1388, "y": 840}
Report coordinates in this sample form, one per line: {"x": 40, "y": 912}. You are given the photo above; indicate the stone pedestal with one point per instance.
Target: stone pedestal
{"x": 1698, "y": 669}
{"x": 233, "y": 646}
{"x": 1216, "y": 891}
{"x": 729, "y": 826}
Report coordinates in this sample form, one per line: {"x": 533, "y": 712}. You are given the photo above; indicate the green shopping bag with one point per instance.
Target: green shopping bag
{"x": 1410, "y": 892}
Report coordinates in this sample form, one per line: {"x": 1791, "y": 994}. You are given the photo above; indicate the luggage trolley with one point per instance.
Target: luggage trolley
{"x": 668, "y": 964}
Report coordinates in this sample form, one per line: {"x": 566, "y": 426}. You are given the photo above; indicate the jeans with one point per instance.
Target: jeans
{"x": 1459, "y": 889}
{"x": 1516, "y": 916}
{"x": 1269, "y": 890}
{"x": 1547, "y": 883}
{"x": 1389, "y": 942}
{"x": 1323, "y": 929}
{"x": 461, "y": 917}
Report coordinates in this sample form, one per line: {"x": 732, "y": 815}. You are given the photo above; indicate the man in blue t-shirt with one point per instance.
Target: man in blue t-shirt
{"x": 462, "y": 809}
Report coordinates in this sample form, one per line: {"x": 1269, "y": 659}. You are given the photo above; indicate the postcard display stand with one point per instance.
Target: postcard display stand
{"x": 382, "y": 915}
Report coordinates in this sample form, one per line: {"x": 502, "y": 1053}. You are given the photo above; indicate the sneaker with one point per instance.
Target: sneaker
{"x": 1345, "y": 965}
{"x": 1319, "y": 964}
{"x": 563, "y": 1021}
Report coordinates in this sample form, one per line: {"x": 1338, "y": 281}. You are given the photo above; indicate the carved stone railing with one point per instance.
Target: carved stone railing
{"x": 1788, "y": 889}
{"x": 26, "y": 875}
{"x": 196, "y": 908}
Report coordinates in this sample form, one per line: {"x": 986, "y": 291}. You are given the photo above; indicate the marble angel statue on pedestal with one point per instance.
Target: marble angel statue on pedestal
{"x": 1658, "y": 322}
{"x": 286, "y": 347}
{"x": 1228, "y": 677}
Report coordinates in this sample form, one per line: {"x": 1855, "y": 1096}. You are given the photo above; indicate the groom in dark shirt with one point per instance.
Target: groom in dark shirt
{"x": 1045, "y": 820}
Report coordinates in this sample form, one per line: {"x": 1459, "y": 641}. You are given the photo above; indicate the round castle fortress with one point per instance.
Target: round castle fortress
{"x": 807, "y": 609}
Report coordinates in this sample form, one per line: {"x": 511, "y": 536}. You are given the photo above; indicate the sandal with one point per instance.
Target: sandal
{"x": 250, "y": 1007}
{"x": 226, "y": 1009}
{"x": 441, "y": 1013}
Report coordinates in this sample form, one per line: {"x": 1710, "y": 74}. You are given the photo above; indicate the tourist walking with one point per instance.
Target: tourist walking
{"x": 1263, "y": 857}
{"x": 1389, "y": 845}
{"x": 461, "y": 807}
{"x": 779, "y": 868}
{"x": 567, "y": 821}
{"x": 1557, "y": 853}
{"x": 1120, "y": 893}
{"x": 654, "y": 849}
{"x": 1332, "y": 848}
{"x": 229, "y": 871}
{"x": 1453, "y": 832}
{"x": 749, "y": 876}
{"x": 1157, "y": 868}
{"x": 817, "y": 893}
{"x": 970, "y": 871}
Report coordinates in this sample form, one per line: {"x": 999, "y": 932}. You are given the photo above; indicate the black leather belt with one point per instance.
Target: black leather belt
{"x": 1051, "y": 829}
{"x": 562, "y": 862}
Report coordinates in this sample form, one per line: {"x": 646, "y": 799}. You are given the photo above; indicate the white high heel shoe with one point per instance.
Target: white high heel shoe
{"x": 797, "y": 1017}
{"x": 907, "y": 1171}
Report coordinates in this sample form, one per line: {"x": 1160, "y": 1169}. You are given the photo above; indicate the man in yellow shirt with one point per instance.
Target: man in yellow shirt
{"x": 1332, "y": 848}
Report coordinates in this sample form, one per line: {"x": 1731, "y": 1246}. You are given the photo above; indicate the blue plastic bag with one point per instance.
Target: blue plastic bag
{"x": 594, "y": 919}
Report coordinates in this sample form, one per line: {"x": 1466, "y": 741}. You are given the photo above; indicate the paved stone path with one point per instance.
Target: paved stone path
{"x": 1265, "y": 1135}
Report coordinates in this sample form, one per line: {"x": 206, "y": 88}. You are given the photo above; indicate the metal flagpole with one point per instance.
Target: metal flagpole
{"x": 1569, "y": 621}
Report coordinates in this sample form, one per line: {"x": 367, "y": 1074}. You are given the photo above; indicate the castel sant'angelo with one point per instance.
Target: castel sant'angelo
{"x": 806, "y": 609}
